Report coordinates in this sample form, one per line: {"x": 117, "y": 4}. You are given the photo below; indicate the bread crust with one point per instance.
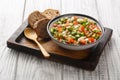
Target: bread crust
{"x": 38, "y": 21}
{"x": 51, "y": 13}
{"x": 33, "y": 17}
{"x": 41, "y": 28}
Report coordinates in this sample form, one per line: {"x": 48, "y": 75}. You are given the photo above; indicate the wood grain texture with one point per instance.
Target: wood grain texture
{"x": 31, "y": 68}
{"x": 10, "y": 17}
{"x": 109, "y": 16}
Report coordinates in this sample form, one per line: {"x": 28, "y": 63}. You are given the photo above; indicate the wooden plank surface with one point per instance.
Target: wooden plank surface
{"x": 32, "y": 67}
{"x": 15, "y": 65}
{"x": 11, "y": 13}
{"x": 109, "y": 16}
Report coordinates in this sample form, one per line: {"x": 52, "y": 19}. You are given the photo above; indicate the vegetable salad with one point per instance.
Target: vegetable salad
{"x": 75, "y": 30}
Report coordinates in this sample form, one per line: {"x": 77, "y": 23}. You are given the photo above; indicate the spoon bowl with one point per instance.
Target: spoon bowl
{"x": 31, "y": 34}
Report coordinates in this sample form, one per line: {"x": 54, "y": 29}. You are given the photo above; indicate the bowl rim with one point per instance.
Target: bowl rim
{"x": 75, "y": 14}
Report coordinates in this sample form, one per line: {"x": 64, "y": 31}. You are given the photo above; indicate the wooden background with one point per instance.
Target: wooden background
{"x": 15, "y": 65}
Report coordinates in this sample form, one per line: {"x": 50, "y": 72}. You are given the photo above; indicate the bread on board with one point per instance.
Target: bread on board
{"x": 38, "y": 21}
{"x": 51, "y": 13}
{"x": 33, "y": 17}
{"x": 40, "y": 28}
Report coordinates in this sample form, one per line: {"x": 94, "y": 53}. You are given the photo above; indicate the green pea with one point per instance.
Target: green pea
{"x": 77, "y": 36}
{"x": 84, "y": 24}
{"x": 63, "y": 41}
{"x": 59, "y": 22}
{"x": 96, "y": 31}
{"x": 55, "y": 38}
{"x": 97, "y": 37}
{"x": 62, "y": 20}
{"x": 87, "y": 29}
{"x": 79, "y": 20}
{"x": 95, "y": 23}
{"x": 72, "y": 37}
{"x": 73, "y": 32}
{"x": 52, "y": 30}
{"x": 56, "y": 22}
{"x": 87, "y": 23}
{"x": 82, "y": 34}
{"x": 60, "y": 35}
{"x": 70, "y": 28}
{"x": 64, "y": 28}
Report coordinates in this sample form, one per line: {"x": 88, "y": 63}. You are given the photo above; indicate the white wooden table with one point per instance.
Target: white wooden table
{"x": 17, "y": 66}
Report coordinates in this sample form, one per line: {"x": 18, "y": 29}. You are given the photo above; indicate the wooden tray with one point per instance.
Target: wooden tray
{"x": 86, "y": 59}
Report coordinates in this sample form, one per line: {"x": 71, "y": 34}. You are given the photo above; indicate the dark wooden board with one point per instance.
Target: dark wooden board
{"x": 86, "y": 59}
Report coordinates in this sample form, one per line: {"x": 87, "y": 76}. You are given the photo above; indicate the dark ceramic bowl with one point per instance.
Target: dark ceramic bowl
{"x": 70, "y": 46}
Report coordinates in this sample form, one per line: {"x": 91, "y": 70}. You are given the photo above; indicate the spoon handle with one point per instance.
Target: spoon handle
{"x": 45, "y": 53}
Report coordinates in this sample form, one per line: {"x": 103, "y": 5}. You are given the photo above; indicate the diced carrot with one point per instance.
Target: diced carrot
{"x": 75, "y": 17}
{"x": 75, "y": 22}
{"x": 59, "y": 29}
{"x": 93, "y": 26}
{"x": 91, "y": 23}
{"x": 58, "y": 25}
{"x": 99, "y": 33}
{"x": 75, "y": 42}
{"x": 83, "y": 41}
{"x": 86, "y": 32}
{"x": 91, "y": 39}
{"x": 97, "y": 27}
{"x": 67, "y": 21}
{"x": 67, "y": 24}
{"x": 54, "y": 25}
{"x": 81, "y": 28}
{"x": 60, "y": 40}
{"x": 71, "y": 40}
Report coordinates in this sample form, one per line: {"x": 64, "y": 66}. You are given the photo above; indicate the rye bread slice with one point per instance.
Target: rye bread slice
{"x": 33, "y": 17}
{"x": 51, "y": 13}
{"x": 41, "y": 28}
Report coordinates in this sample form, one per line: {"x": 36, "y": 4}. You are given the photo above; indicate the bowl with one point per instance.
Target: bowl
{"x": 71, "y": 46}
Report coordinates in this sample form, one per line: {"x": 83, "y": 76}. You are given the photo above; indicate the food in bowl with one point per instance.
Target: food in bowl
{"x": 75, "y": 30}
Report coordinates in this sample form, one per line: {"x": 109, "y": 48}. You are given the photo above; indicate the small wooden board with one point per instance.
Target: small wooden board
{"x": 86, "y": 59}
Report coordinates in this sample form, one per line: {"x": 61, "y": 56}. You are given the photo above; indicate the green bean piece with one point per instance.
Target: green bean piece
{"x": 73, "y": 32}
{"x": 77, "y": 36}
{"x": 52, "y": 30}
{"x": 82, "y": 34}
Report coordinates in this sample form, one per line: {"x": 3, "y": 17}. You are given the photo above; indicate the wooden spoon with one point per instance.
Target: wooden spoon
{"x": 31, "y": 34}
